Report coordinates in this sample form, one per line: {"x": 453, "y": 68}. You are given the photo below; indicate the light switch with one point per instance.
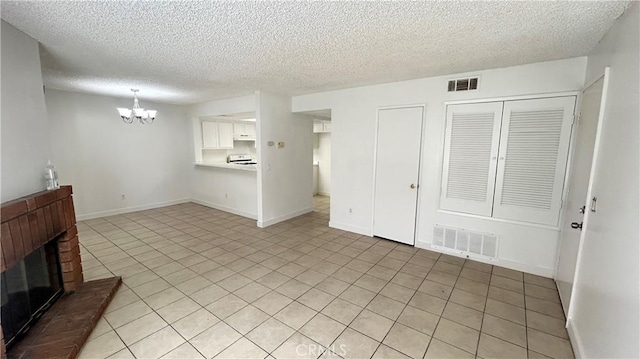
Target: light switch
{"x": 280, "y": 144}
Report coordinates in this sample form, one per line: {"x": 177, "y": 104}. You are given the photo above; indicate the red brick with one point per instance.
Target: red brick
{"x": 16, "y": 238}
{"x": 49, "y": 221}
{"x": 8, "y": 253}
{"x": 69, "y": 255}
{"x": 26, "y": 234}
{"x": 70, "y": 266}
{"x": 67, "y": 245}
{"x": 70, "y": 233}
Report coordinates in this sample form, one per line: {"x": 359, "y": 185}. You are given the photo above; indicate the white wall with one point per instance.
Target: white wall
{"x": 353, "y": 114}
{"x": 604, "y": 315}
{"x": 322, "y": 154}
{"x": 230, "y": 190}
{"x": 284, "y": 174}
{"x": 25, "y": 134}
{"x": 104, "y": 158}
{"x": 240, "y": 104}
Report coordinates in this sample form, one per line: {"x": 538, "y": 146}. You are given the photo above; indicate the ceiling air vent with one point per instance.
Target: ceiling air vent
{"x": 468, "y": 84}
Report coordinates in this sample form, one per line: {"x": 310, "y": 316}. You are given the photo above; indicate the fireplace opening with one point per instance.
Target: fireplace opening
{"x": 29, "y": 288}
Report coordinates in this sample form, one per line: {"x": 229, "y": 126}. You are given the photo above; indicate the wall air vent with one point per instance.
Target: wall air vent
{"x": 468, "y": 84}
{"x": 462, "y": 241}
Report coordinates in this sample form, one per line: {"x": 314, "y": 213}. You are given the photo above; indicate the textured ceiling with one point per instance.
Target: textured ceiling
{"x": 186, "y": 52}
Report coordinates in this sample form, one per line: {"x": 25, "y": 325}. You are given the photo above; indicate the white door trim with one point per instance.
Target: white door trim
{"x": 375, "y": 163}
{"x": 594, "y": 164}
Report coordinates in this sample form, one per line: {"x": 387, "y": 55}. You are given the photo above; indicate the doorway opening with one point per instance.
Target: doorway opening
{"x": 322, "y": 163}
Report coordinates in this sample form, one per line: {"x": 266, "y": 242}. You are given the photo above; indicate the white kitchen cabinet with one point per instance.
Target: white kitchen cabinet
{"x": 210, "y": 135}
{"x": 321, "y": 126}
{"x": 217, "y": 135}
{"x": 225, "y": 131}
{"x": 244, "y": 131}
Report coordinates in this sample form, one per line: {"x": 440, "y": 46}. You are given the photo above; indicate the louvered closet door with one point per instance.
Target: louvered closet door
{"x": 470, "y": 156}
{"x": 534, "y": 145}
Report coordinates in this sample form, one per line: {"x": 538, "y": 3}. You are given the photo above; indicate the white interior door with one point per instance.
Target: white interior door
{"x": 397, "y": 173}
{"x": 577, "y": 197}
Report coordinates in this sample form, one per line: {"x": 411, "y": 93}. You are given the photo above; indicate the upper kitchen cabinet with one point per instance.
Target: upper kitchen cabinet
{"x": 244, "y": 131}
{"x": 217, "y": 135}
{"x": 321, "y": 126}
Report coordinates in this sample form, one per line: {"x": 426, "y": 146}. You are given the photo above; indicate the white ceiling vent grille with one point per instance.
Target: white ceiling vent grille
{"x": 468, "y": 84}
{"x": 465, "y": 242}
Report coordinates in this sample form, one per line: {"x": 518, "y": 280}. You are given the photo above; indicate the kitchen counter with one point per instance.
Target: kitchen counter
{"x": 250, "y": 168}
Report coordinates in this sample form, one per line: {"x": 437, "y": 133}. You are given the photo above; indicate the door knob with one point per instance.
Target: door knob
{"x": 412, "y": 186}
{"x": 576, "y": 225}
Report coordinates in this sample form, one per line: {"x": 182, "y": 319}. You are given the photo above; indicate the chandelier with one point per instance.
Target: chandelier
{"x": 144, "y": 116}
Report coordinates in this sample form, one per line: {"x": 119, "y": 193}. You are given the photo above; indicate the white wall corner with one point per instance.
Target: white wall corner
{"x": 272, "y": 221}
{"x": 225, "y": 208}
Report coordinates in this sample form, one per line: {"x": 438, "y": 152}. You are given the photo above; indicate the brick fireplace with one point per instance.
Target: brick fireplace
{"x": 30, "y": 222}
{"x": 47, "y": 219}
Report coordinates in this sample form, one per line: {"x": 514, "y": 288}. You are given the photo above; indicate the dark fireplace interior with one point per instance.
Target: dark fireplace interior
{"x": 29, "y": 288}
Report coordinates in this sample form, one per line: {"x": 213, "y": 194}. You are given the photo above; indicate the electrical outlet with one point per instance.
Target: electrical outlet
{"x": 123, "y": 197}
{"x": 350, "y": 210}
{"x": 226, "y": 195}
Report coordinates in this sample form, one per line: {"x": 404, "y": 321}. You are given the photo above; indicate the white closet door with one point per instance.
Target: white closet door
{"x": 534, "y": 145}
{"x": 470, "y": 156}
{"x": 399, "y": 139}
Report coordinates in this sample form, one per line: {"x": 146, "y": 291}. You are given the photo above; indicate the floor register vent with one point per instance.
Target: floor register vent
{"x": 465, "y": 242}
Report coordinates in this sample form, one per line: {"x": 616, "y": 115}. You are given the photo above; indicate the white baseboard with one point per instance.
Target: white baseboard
{"x": 574, "y": 337}
{"x": 350, "y": 228}
{"x": 522, "y": 267}
{"x": 225, "y": 208}
{"x": 114, "y": 212}
{"x": 272, "y": 221}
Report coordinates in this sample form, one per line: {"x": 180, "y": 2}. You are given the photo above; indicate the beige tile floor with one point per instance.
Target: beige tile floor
{"x": 204, "y": 283}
